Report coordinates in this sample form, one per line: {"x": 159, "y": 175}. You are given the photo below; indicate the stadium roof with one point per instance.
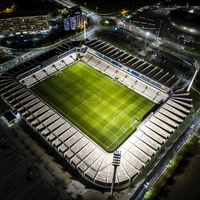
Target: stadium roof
{"x": 185, "y": 21}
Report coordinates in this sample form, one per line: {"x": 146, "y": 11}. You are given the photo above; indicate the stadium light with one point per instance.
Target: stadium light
{"x": 115, "y": 163}
{"x": 85, "y": 34}
{"x": 147, "y": 35}
{"x": 197, "y": 67}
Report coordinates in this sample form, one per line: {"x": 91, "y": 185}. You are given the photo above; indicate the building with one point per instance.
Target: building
{"x": 10, "y": 117}
{"x": 73, "y": 18}
{"x": 29, "y": 22}
{"x": 184, "y": 25}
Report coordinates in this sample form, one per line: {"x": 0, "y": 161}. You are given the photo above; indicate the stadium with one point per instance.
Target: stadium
{"x": 89, "y": 100}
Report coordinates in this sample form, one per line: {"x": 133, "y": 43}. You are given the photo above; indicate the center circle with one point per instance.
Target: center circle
{"x": 91, "y": 96}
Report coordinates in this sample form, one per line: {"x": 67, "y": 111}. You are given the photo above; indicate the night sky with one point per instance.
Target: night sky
{"x": 104, "y": 6}
{"x": 30, "y": 5}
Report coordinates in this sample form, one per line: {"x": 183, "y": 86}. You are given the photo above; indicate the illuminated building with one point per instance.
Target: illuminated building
{"x": 72, "y": 19}
{"x": 21, "y": 22}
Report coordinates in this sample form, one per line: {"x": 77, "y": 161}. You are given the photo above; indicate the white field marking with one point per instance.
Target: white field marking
{"x": 112, "y": 133}
{"x": 125, "y": 129}
{"x": 93, "y": 135}
{"x": 114, "y": 115}
{"x": 90, "y": 102}
{"x": 117, "y": 137}
{"x": 133, "y": 120}
{"x": 119, "y": 112}
{"x": 115, "y": 140}
{"x": 84, "y": 102}
{"x": 86, "y": 99}
{"x": 86, "y": 129}
{"x": 103, "y": 144}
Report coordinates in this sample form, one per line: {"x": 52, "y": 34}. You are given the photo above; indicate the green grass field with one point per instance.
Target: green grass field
{"x": 105, "y": 110}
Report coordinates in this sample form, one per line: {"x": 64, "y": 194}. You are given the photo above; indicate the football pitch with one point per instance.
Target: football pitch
{"x": 102, "y": 108}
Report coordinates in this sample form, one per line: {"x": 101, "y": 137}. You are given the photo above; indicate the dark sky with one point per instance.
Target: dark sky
{"x": 104, "y": 6}
{"x": 26, "y": 5}
{"x": 108, "y": 6}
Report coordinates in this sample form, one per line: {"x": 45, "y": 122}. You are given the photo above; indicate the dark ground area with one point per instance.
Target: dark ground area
{"x": 182, "y": 185}
{"x": 22, "y": 177}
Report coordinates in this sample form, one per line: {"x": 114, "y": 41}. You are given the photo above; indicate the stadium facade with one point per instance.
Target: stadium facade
{"x": 184, "y": 24}
{"x": 158, "y": 129}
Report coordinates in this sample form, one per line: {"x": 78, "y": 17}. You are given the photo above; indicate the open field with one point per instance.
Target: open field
{"x": 105, "y": 110}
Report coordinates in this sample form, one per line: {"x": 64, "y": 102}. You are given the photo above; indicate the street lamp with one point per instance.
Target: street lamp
{"x": 115, "y": 163}
{"x": 96, "y": 10}
{"x": 147, "y": 35}
{"x": 159, "y": 28}
{"x": 197, "y": 67}
{"x": 84, "y": 25}
{"x": 85, "y": 4}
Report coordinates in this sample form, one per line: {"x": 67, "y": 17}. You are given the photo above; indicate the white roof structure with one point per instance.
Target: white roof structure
{"x": 170, "y": 115}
